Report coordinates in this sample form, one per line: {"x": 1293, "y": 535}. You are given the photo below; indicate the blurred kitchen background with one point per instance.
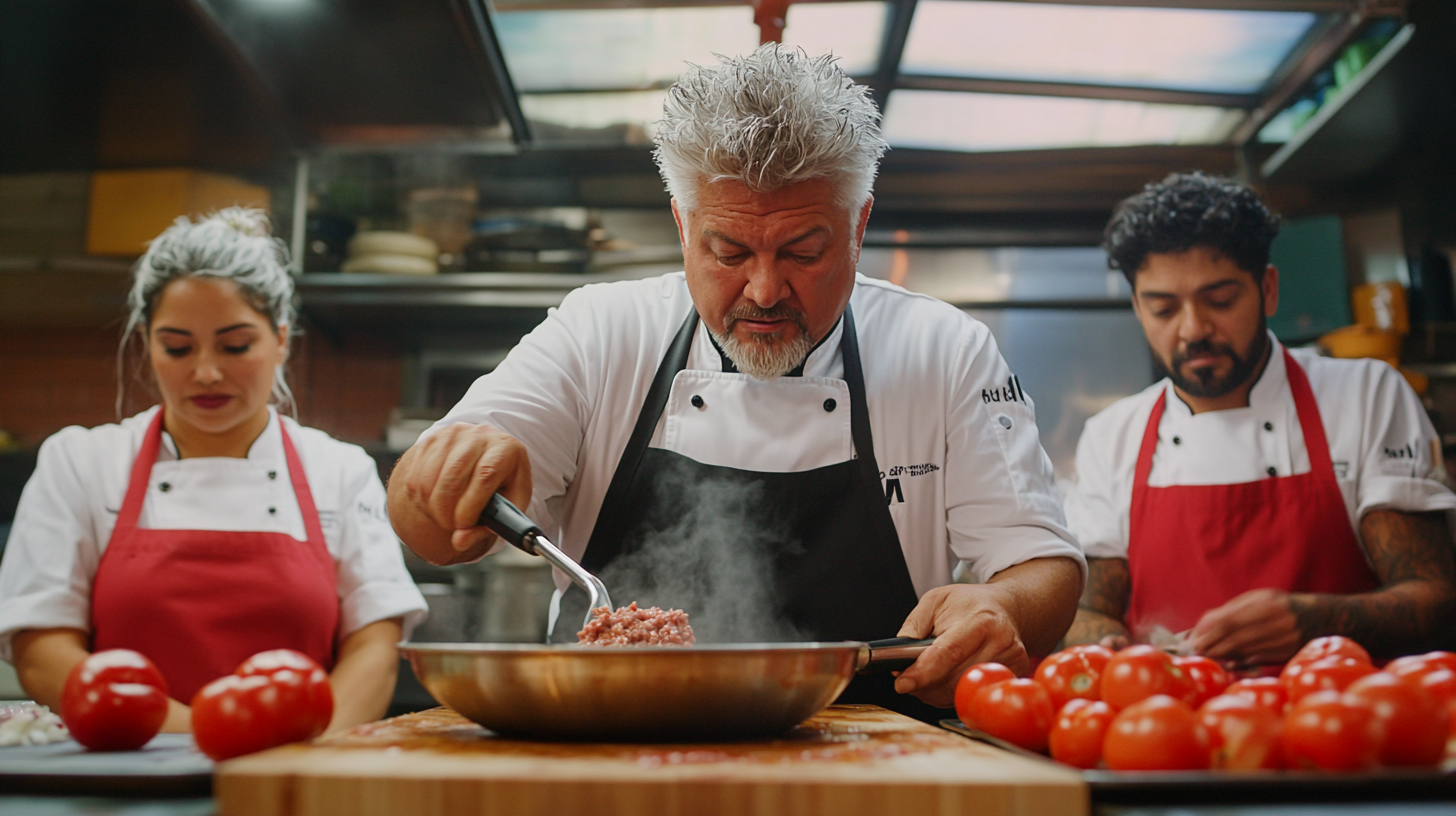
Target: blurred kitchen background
{"x": 445, "y": 171}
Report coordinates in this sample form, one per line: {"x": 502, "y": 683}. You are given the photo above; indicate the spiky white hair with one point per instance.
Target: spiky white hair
{"x": 768, "y": 120}
{"x": 233, "y": 244}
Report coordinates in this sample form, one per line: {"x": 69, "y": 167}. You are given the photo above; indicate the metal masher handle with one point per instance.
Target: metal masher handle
{"x": 890, "y": 654}
{"x": 507, "y": 521}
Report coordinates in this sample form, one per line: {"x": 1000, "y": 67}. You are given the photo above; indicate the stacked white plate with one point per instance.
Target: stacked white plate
{"x": 392, "y": 253}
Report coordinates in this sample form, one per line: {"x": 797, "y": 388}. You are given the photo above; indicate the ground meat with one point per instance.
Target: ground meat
{"x": 630, "y": 626}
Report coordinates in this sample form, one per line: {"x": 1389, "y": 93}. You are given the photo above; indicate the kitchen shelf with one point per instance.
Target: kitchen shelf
{"x": 507, "y": 304}
{"x": 1355, "y": 130}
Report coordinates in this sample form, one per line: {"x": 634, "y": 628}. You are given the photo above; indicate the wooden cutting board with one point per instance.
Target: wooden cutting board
{"x": 845, "y": 761}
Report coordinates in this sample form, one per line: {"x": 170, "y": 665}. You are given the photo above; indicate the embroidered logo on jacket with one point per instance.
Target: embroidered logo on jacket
{"x": 1010, "y": 392}
{"x": 893, "y": 492}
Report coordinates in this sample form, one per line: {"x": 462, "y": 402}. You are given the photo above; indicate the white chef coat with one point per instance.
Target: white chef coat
{"x": 69, "y": 506}
{"x": 955, "y": 437}
{"x": 1385, "y": 452}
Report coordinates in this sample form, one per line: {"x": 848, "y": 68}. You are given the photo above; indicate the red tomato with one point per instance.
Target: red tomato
{"x": 1072, "y": 674}
{"x": 1017, "y": 711}
{"x": 1209, "y": 678}
{"x": 1422, "y": 664}
{"x": 1157, "y": 734}
{"x": 1326, "y": 674}
{"x": 232, "y": 716}
{"x": 1451, "y": 733}
{"x": 1266, "y": 691}
{"x": 1415, "y": 721}
{"x": 1440, "y": 684}
{"x": 306, "y": 701}
{"x": 976, "y": 678}
{"x": 1328, "y": 730}
{"x": 1243, "y": 734}
{"x": 114, "y": 700}
{"x": 1078, "y": 732}
{"x": 1138, "y": 672}
{"x": 1331, "y": 646}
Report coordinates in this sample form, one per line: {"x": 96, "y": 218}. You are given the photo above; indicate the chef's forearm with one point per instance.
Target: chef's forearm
{"x": 1093, "y": 627}
{"x": 1412, "y": 611}
{"x": 363, "y": 678}
{"x": 1102, "y": 609}
{"x": 1041, "y": 598}
{"x": 1407, "y": 618}
{"x": 44, "y": 659}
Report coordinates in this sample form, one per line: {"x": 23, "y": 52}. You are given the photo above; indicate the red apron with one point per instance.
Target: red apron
{"x": 1192, "y": 548}
{"x": 199, "y": 602}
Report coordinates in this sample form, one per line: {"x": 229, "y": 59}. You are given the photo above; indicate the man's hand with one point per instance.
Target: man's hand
{"x": 971, "y": 625}
{"x": 1023, "y": 608}
{"x": 441, "y": 485}
{"x": 1257, "y": 628}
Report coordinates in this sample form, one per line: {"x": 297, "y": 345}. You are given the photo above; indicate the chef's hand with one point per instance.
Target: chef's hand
{"x": 1256, "y": 628}
{"x": 970, "y": 624}
{"x": 441, "y": 485}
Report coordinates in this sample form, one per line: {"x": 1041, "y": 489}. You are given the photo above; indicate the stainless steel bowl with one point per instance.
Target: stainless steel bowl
{"x": 636, "y": 694}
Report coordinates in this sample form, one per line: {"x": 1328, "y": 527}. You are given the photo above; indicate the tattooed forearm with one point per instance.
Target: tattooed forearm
{"x": 1413, "y": 609}
{"x": 1104, "y": 602}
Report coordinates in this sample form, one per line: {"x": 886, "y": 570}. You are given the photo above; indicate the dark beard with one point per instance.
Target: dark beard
{"x": 1204, "y": 384}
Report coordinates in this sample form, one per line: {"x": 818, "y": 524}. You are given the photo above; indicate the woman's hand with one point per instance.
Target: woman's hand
{"x": 363, "y": 678}
{"x": 440, "y": 486}
{"x": 44, "y": 659}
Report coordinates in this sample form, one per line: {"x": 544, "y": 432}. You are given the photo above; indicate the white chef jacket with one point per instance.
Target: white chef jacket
{"x": 1385, "y": 452}
{"x": 69, "y": 506}
{"x": 955, "y": 437}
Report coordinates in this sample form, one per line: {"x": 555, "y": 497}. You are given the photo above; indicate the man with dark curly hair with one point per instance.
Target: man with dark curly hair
{"x": 1255, "y": 497}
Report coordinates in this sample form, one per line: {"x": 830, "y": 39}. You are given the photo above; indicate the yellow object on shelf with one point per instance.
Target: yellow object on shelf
{"x": 128, "y": 208}
{"x": 1381, "y": 306}
{"x": 1363, "y": 341}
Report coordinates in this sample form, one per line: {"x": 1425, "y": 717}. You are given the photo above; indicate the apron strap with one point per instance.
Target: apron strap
{"x": 301, "y": 491}
{"x": 141, "y": 475}
{"x": 859, "y": 409}
{"x": 611, "y": 521}
{"x": 1144, "y": 466}
{"x": 1315, "y": 441}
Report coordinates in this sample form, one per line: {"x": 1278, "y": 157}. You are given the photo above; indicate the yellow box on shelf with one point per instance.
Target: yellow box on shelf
{"x": 128, "y": 208}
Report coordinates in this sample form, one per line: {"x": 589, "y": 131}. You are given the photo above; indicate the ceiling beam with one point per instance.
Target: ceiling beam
{"x": 474, "y": 18}
{"x": 897, "y": 30}
{"x": 1077, "y": 90}
{"x": 1309, "y": 6}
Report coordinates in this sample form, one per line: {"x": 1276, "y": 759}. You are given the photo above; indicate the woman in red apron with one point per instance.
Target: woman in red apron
{"x": 212, "y": 302}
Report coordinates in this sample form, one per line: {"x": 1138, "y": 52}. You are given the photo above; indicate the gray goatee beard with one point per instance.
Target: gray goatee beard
{"x": 767, "y": 355}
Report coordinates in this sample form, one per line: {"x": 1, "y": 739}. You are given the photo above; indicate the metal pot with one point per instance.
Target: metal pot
{"x": 647, "y": 693}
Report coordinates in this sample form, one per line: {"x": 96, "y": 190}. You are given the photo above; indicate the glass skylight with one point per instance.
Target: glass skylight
{"x": 854, "y": 32}
{"x": 1185, "y": 49}
{"x": 637, "y": 110}
{"x": 980, "y": 122}
{"x": 618, "y": 49}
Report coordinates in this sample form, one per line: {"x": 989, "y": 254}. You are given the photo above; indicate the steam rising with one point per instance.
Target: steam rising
{"x": 715, "y": 561}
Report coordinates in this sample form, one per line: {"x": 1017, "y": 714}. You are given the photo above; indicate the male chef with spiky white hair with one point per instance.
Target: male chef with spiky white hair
{"x": 776, "y": 444}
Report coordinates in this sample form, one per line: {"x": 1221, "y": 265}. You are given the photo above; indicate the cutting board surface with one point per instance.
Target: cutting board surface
{"x": 169, "y": 765}
{"x": 846, "y": 760}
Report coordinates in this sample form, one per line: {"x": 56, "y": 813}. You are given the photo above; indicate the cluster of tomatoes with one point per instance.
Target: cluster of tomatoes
{"x": 1141, "y": 709}
{"x": 117, "y": 700}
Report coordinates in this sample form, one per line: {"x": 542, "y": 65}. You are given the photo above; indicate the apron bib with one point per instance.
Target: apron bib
{"x": 840, "y": 573}
{"x": 1192, "y": 548}
{"x": 199, "y": 602}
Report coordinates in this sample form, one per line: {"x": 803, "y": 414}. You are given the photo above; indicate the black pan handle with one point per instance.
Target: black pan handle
{"x": 893, "y": 654}
{"x": 507, "y": 521}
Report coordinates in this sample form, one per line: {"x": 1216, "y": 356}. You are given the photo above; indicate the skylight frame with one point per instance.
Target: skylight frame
{"x": 1327, "y": 32}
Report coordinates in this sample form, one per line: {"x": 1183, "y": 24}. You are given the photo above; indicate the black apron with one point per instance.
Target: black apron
{"x": 842, "y": 577}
